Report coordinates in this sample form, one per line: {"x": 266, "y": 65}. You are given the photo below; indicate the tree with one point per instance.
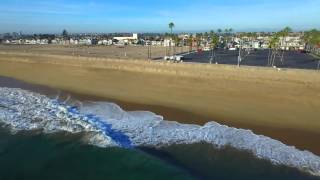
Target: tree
{"x": 177, "y": 41}
{"x": 211, "y": 33}
{"x": 284, "y": 33}
{"x": 214, "y": 42}
{"x": 230, "y": 30}
{"x": 171, "y": 26}
{"x": 312, "y": 40}
{"x": 226, "y": 31}
{"x": 219, "y": 31}
{"x": 166, "y": 35}
{"x": 65, "y": 34}
{"x": 273, "y": 48}
{"x": 205, "y": 37}
{"x": 198, "y": 39}
{"x": 190, "y": 42}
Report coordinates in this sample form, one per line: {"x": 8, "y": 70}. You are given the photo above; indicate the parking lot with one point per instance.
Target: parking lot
{"x": 292, "y": 59}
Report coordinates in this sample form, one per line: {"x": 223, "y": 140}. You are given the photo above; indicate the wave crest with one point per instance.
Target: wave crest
{"x": 106, "y": 124}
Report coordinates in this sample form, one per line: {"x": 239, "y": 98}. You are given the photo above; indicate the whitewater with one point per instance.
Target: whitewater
{"x": 107, "y": 125}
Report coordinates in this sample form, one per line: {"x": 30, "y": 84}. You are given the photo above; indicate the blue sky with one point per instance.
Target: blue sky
{"x": 51, "y": 16}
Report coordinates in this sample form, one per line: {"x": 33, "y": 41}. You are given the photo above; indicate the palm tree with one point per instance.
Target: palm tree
{"x": 211, "y": 33}
{"x": 65, "y": 34}
{"x": 274, "y": 46}
{"x": 214, "y": 43}
{"x": 198, "y": 39}
{"x": 312, "y": 39}
{"x": 177, "y": 40}
{"x": 230, "y": 30}
{"x": 226, "y": 31}
{"x": 206, "y": 36}
{"x": 166, "y": 35}
{"x": 284, "y": 33}
{"x": 219, "y": 31}
{"x": 171, "y": 26}
{"x": 190, "y": 41}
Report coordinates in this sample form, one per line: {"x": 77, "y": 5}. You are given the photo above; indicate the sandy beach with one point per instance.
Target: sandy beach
{"x": 114, "y": 52}
{"x": 281, "y": 104}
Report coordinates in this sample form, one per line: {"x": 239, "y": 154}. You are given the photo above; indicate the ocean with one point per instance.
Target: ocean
{"x": 30, "y": 155}
{"x": 86, "y": 147}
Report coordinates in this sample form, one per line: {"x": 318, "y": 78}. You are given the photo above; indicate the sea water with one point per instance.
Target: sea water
{"x": 107, "y": 127}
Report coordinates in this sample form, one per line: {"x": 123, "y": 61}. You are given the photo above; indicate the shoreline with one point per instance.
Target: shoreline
{"x": 298, "y": 135}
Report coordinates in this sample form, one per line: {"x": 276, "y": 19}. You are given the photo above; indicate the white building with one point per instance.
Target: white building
{"x": 166, "y": 43}
{"x": 156, "y": 43}
{"x": 134, "y": 37}
{"x": 291, "y": 42}
{"x": 105, "y": 42}
{"x": 85, "y": 42}
{"x": 74, "y": 41}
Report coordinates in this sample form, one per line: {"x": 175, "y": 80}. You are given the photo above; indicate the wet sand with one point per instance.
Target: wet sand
{"x": 283, "y": 105}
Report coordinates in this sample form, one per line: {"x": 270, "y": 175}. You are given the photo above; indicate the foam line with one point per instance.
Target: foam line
{"x": 106, "y": 125}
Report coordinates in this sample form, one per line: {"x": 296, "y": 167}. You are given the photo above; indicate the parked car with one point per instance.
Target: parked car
{"x": 177, "y": 58}
{"x": 206, "y": 49}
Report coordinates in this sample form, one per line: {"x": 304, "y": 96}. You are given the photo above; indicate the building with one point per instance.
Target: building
{"x": 105, "y": 42}
{"x": 168, "y": 42}
{"x": 132, "y": 38}
{"x": 291, "y": 42}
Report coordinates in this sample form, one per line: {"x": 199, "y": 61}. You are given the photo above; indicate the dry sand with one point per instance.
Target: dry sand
{"x": 115, "y": 52}
{"x": 283, "y": 104}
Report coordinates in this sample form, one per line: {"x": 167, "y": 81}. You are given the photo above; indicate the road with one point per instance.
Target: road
{"x": 292, "y": 59}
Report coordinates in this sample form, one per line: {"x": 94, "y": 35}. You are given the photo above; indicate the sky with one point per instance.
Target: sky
{"x": 51, "y": 16}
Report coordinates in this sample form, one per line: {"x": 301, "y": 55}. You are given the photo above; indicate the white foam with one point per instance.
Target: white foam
{"x": 148, "y": 129}
{"x": 23, "y": 110}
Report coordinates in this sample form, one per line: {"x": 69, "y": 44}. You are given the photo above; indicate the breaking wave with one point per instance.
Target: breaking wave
{"x": 107, "y": 125}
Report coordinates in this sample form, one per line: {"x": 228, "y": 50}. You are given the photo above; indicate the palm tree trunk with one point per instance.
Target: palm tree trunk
{"x": 285, "y": 46}
{"x": 269, "y": 57}
{"x": 282, "y": 57}
{"x": 273, "y": 57}
{"x": 171, "y": 53}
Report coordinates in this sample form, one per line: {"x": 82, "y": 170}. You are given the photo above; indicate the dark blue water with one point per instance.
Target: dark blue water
{"x": 207, "y": 162}
{"x": 35, "y": 156}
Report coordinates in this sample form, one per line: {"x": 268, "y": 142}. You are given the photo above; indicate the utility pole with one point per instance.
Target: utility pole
{"x": 149, "y": 52}
{"x": 212, "y": 56}
{"x": 239, "y": 57}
